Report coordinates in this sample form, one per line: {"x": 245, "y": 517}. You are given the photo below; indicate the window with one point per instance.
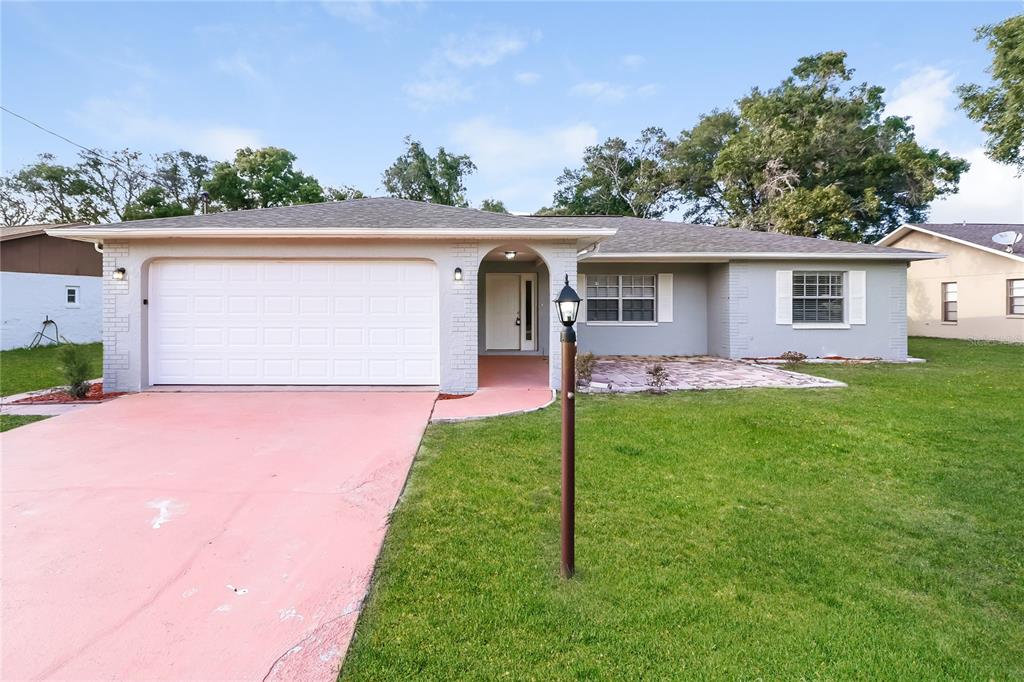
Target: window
{"x": 1015, "y": 297}
{"x": 949, "y": 301}
{"x": 71, "y": 296}
{"x": 818, "y": 297}
{"x": 620, "y": 298}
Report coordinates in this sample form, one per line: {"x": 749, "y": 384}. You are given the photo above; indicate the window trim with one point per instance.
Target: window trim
{"x": 77, "y": 303}
{"x": 943, "y": 313}
{"x": 1010, "y": 297}
{"x": 844, "y": 323}
{"x": 653, "y": 322}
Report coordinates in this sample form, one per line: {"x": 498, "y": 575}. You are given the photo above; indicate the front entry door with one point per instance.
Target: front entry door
{"x": 502, "y": 312}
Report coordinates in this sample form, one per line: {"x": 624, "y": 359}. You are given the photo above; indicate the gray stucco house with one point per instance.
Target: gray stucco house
{"x": 392, "y": 292}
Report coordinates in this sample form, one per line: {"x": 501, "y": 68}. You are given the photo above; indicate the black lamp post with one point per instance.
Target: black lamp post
{"x": 568, "y": 303}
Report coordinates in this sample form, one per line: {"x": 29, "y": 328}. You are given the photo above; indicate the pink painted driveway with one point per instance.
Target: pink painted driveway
{"x": 198, "y": 535}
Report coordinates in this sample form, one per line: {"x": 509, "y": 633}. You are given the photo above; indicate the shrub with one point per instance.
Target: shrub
{"x": 793, "y": 357}
{"x": 74, "y": 366}
{"x": 657, "y": 377}
{"x": 585, "y": 366}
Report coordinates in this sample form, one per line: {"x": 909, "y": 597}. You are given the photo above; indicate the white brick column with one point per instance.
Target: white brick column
{"x": 116, "y": 341}
{"x": 459, "y": 319}
{"x": 561, "y": 261}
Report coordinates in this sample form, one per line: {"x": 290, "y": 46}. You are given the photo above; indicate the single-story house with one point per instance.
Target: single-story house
{"x": 976, "y": 291}
{"x": 385, "y": 291}
{"x": 46, "y": 278}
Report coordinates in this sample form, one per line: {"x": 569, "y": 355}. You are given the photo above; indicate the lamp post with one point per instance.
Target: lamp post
{"x": 568, "y": 303}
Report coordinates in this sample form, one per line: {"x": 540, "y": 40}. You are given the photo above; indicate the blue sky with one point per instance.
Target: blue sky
{"x": 521, "y": 87}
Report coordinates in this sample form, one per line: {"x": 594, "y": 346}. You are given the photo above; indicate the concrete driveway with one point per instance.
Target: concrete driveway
{"x": 198, "y": 535}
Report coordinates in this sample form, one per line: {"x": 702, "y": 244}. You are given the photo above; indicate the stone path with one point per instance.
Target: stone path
{"x": 628, "y": 374}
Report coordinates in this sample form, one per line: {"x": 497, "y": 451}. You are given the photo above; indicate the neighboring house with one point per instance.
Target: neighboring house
{"x": 45, "y": 277}
{"x": 976, "y": 292}
{"x": 391, "y": 292}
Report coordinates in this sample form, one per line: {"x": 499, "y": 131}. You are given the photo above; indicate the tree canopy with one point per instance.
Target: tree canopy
{"x": 1000, "y": 108}
{"x": 812, "y": 156}
{"x": 493, "y": 205}
{"x": 438, "y": 179}
{"x": 262, "y": 178}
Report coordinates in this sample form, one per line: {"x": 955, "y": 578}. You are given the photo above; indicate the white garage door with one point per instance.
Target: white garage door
{"x": 293, "y": 322}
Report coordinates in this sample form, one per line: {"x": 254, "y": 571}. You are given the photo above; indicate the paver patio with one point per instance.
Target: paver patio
{"x": 628, "y": 374}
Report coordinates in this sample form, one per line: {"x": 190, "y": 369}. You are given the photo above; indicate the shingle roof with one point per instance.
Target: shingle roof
{"x": 976, "y": 233}
{"x": 639, "y": 236}
{"x": 377, "y": 213}
{"x": 19, "y": 231}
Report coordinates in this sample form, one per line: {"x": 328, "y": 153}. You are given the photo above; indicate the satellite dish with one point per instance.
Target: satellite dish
{"x": 1007, "y": 239}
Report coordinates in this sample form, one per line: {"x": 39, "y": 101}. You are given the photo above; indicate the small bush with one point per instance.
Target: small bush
{"x": 585, "y": 366}
{"x": 657, "y": 377}
{"x": 74, "y": 367}
{"x": 793, "y": 357}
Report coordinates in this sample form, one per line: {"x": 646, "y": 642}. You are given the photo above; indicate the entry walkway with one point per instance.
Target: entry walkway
{"x": 509, "y": 384}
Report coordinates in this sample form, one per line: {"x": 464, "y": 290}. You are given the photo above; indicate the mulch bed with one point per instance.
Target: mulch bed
{"x": 95, "y": 394}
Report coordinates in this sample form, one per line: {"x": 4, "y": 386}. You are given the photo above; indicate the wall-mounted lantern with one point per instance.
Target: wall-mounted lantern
{"x": 458, "y": 274}
{"x": 119, "y": 273}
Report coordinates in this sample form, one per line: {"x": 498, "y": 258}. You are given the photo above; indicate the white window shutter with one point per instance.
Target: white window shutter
{"x": 581, "y": 289}
{"x": 858, "y": 296}
{"x": 665, "y": 297}
{"x": 783, "y": 297}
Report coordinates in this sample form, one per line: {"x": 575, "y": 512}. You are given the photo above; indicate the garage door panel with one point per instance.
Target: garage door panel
{"x": 340, "y": 322}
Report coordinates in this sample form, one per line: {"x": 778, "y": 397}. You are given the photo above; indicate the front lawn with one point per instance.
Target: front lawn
{"x": 13, "y": 421}
{"x": 873, "y": 532}
{"x": 24, "y": 369}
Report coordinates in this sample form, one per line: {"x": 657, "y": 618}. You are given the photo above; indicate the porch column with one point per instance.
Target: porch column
{"x": 561, "y": 261}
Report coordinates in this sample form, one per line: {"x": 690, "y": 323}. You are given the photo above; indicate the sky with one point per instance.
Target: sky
{"x": 523, "y": 88}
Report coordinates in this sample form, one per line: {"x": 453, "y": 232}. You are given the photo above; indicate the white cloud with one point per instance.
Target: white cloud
{"x": 478, "y": 48}
{"x": 363, "y": 13}
{"x": 925, "y": 96}
{"x": 611, "y": 92}
{"x": 431, "y": 92}
{"x": 527, "y": 77}
{"x": 519, "y": 166}
{"x": 120, "y": 123}
{"x": 238, "y": 65}
{"x": 989, "y": 192}
{"x": 633, "y": 61}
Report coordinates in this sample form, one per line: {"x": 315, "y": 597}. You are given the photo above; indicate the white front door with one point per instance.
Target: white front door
{"x": 502, "y": 311}
{"x": 293, "y": 322}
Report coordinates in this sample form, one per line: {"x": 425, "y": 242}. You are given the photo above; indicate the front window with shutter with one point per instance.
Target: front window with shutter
{"x": 817, "y": 296}
{"x": 621, "y": 298}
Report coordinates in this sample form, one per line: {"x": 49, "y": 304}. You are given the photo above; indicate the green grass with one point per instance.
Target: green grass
{"x": 13, "y": 421}
{"x": 24, "y": 369}
{"x": 873, "y": 532}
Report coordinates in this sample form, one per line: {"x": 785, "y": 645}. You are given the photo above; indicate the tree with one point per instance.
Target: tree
{"x": 59, "y": 193}
{"x": 436, "y": 179}
{"x": 15, "y": 206}
{"x": 493, "y": 205}
{"x": 262, "y": 178}
{"x": 618, "y": 178}
{"x": 343, "y": 193}
{"x": 1000, "y": 108}
{"x": 115, "y": 180}
{"x": 180, "y": 176}
{"x": 154, "y": 203}
{"x": 809, "y": 157}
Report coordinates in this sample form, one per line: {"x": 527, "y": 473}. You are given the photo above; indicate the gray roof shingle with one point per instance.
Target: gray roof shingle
{"x": 976, "y": 233}
{"x": 370, "y": 213}
{"x": 639, "y": 236}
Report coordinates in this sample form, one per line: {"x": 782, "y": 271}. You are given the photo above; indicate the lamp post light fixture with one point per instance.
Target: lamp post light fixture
{"x": 119, "y": 273}
{"x": 568, "y": 303}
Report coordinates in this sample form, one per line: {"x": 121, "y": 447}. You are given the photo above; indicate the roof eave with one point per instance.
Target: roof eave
{"x": 722, "y": 257}
{"x": 355, "y": 233}
{"x": 900, "y": 231}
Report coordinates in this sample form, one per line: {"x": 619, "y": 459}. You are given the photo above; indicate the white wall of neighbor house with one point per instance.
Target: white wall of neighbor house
{"x": 982, "y": 291}
{"x": 685, "y": 334}
{"x": 26, "y": 299}
{"x": 125, "y": 322}
{"x": 874, "y": 324}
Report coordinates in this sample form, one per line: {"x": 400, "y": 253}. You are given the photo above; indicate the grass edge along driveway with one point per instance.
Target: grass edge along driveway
{"x": 873, "y": 532}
